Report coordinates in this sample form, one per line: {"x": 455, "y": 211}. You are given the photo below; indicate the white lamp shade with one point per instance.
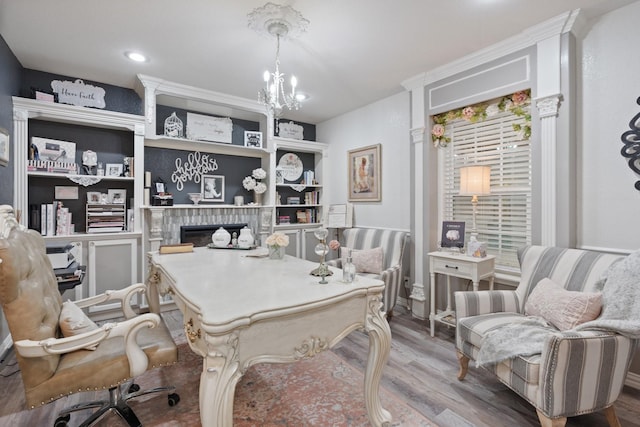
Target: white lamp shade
{"x": 475, "y": 180}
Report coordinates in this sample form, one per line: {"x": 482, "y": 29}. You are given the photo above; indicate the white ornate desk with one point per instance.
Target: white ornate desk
{"x": 240, "y": 310}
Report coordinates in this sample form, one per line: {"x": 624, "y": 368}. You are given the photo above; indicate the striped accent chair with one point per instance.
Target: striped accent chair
{"x": 393, "y": 243}
{"x": 578, "y": 372}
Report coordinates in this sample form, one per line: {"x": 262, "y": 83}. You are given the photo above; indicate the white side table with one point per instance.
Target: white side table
{"x": 456, "y": 265}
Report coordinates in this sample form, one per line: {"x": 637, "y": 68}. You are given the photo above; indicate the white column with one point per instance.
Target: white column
{"x": 548, "y": 113}
{"x": 20, "y": 156}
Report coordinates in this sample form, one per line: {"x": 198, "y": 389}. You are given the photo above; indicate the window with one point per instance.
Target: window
{"x": 496, "y": 137}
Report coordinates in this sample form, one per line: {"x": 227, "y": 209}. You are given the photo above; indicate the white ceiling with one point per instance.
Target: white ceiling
{"x": 354, "y": 52}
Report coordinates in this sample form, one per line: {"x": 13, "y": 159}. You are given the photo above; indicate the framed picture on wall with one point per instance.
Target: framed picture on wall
{"x": 4, "y": 147}
{"x": 365, "y": 174}
{"x": 212, "y": 188}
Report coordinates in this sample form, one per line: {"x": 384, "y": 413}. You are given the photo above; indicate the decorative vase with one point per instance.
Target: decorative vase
{"x": 221, "y": 238}
{"x": 257, "y": 198}
{"x": 245, "y": 240}
{"x": 276, "y": 252}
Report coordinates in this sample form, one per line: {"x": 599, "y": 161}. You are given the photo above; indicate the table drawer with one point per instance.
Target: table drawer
{"x": 452, "y": 268}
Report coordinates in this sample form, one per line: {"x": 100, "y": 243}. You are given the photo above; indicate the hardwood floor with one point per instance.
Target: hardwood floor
{"x": 422, "y": 370}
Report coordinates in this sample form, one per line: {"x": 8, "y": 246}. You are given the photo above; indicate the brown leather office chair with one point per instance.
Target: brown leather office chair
{"x": 89, "y": 357}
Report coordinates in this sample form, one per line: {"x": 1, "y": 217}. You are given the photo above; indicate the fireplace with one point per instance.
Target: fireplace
{"x": 200, "y": 235}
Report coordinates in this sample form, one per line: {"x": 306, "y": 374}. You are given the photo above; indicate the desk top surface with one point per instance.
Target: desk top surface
{"x": 226, "y": 285}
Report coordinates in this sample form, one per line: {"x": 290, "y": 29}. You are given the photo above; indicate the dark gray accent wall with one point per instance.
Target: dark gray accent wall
{"x": 10, "y": 74}
{"x": 162, "y": 163}
{"x": 116, "y": 98}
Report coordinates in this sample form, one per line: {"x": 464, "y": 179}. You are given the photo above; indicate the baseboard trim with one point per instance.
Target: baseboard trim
{"x": 633, "y": 380}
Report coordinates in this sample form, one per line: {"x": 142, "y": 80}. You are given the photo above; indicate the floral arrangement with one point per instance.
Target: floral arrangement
{"x": 514, "y": 103}
{"x": 278, "y": 240}
{"x": 253, "y": 181}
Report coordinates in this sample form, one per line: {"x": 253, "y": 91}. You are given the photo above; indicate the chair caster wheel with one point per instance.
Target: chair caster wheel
{"x": 62, "y": 421}
{"x": 173, "y": 398}
{"x": 133, "y": 388}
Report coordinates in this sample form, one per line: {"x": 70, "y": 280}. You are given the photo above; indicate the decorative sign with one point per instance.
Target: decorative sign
{"x": 290, "y": 130}
{"x": 291, "y": 166}
{"x": 208, "y": 128}
{"x": 197, "y": 164}
{"x": 77, "y": 93}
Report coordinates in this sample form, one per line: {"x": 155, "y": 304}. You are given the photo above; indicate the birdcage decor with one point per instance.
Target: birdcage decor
{"x": 173, "y": 126}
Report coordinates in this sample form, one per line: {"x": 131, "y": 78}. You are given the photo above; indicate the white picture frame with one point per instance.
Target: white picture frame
{"x": 252, "y": 139}
{"x": 4, "y": 147}
{"x": 212, "y": 188}
{"x": 114, "y": 169}
{"x": 117, "y": 195}
{"x": 93, "y": 197}
{"x": 66, "y": 192}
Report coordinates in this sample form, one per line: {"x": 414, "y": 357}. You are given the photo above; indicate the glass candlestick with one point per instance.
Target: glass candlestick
{"x": 321, "y": 250}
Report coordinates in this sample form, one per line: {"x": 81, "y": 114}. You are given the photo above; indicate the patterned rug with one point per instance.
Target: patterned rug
{"x": 322, "y": 391}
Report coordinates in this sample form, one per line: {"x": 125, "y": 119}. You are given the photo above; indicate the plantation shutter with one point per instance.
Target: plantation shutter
{"x": 503, "y": 219}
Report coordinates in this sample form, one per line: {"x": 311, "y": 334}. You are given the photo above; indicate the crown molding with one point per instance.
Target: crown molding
{"x": 567, "y": 22}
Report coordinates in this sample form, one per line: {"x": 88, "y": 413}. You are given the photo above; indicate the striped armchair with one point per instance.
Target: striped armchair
{"x": 393, "y": 243}
{"x": 578, "y": 371}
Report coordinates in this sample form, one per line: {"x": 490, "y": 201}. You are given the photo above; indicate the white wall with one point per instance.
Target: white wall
{"x": 385, "y": 122}
{"x": 608, "y": 203}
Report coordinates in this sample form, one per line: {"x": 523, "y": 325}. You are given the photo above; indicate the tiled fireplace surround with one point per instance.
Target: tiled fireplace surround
{"x": 164, "y": 222}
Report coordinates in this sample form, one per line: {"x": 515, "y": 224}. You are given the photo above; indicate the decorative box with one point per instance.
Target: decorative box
{"x": 162, "y": 201}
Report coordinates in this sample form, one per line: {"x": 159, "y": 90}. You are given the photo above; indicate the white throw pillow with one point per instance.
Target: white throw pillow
{"x": 365, "y": 260}
{"x": 562, "y": 308}
{"x": 73, "y": 321}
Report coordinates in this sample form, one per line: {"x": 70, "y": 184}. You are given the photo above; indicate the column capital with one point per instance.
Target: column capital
{"x": 548, "y": 106}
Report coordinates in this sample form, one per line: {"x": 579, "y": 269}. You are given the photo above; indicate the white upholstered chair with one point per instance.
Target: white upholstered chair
{"x": 392, "y": 243}
{"x": 95, "y": 358}
{"x": 576, "y": 371}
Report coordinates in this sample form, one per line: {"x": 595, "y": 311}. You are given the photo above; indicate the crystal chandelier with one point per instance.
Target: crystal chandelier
{"x": 279, "y": 22}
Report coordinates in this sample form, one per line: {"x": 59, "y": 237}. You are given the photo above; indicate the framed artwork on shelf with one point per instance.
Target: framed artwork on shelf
{"x": 452, "y": 234}
{"x": 212, "y": 188}
{"x": 4, "y": 147}
{"x": 114, "y": 169}
{"x": 117, "y": 195}
{"x": 252, "y": 139}
{"x": 93, "y": 197}
{"x": 365, "y": 174}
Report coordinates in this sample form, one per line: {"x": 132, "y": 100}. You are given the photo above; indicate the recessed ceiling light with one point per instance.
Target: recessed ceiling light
{"x": 136, "y": 56}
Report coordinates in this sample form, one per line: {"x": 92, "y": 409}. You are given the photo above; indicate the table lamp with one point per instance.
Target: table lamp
{"x": 475, "y": 181}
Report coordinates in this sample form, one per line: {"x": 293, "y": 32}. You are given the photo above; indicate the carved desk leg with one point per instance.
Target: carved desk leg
{"x": 379, "y": 348}
{"x": 220, "y": 374}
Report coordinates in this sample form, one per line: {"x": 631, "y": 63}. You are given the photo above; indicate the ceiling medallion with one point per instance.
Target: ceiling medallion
{"x": 280, "y": 22}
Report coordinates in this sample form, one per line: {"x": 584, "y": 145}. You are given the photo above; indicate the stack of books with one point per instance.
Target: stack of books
{"x": 51, "y": 219}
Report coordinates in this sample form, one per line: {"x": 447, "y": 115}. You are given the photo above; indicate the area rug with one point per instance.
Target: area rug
{"x": 322, "y": 391}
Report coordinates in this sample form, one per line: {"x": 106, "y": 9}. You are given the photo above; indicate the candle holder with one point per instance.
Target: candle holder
{"x": 322, "y": 249}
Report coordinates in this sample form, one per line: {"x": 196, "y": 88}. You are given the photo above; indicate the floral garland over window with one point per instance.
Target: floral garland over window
{"x": 514, "y": 103}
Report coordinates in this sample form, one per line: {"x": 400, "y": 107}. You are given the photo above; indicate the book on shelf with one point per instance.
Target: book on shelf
{"x": 293, "y": 200}
{"x": 55, "y": 219}
{"x": 284, "y": 219}
{"x": 51, "y": 166}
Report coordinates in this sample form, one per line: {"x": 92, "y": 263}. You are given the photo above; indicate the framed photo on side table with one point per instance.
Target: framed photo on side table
{"x": 212, "y": 188}
{"x": 365, "y": 174}
{"x": 452, "y": 234}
